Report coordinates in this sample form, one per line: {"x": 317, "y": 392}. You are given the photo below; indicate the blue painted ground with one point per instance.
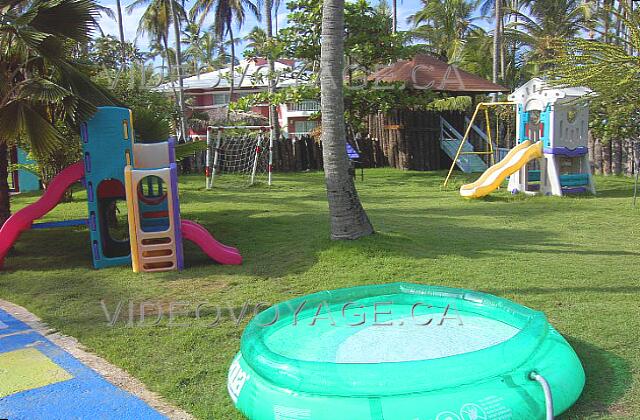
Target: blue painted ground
{"x": 85, "y": 396}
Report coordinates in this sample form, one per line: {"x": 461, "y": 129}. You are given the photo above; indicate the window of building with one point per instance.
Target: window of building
{"x": 220, "y": 98}
{"x": 304, "y": 127}
{"x": 309, "y": 106}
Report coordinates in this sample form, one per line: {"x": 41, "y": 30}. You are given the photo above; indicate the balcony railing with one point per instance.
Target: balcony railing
{"x": 304, "y": 106}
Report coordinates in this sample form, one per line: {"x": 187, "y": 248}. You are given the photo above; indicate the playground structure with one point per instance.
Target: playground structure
{"x": 21, "y": 180}
{"x": 556, "y": 119}
{"x": 551, "y": 154}
{"x": 242, "y": 154}
{"x": 117, "y": 169}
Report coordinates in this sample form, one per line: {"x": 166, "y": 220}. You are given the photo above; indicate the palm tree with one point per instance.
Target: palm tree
{"x": 121, "y": 31}
{"x": 394, "y": 15}
{"x": 499, "y": 10}
{"x": 177, "y": 20}
{"x": 226, "y": 13}
{"x": 547, "y": 22}
{"x": 191, "y": 37}
{"x": 273, "y": 112}
{"x": 256, "y": 40}
{"x": 209, "y": 45}
{"x": 497, "y": 43}
{"x": 155, "y": 22}
{"x": 276, "y": 10}
{"x": 38, "y": 81}
{"x": 348, "y": 218}
{"x": 444, "y": 25}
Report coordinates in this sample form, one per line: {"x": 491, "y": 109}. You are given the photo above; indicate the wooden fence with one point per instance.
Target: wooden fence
{"x": 616, "y": 157}
{"x": 410, "y": 140}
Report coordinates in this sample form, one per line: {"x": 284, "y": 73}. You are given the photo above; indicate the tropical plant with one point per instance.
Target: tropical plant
{"x": 348, "y": 218}
{"x": 156, "y": 21}
{"x": 546, "y": 22}
{"x": 39, "y": 84}
{"x": 123, "y": 47}
{"x": 609, "y": 70}
{"x": 108, "y": 52}
{"x": 256, "y": 42}
{"x": 369, "y": 39}
{"x": 226, "y": 13}
{"x": 444, "y": 25}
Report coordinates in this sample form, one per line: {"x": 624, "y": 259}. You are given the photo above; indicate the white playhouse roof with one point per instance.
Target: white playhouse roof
{"x": 248, "y": 74}
{"x": 539, "y": 91}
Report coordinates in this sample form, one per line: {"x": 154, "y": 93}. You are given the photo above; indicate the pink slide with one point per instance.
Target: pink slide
{"x": 22, "y": 220}
{"x": 218, "y": 252}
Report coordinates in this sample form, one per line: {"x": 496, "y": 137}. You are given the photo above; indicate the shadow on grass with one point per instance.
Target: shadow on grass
{"x": 608, "y": 377}
{"x": 275, "y": 244}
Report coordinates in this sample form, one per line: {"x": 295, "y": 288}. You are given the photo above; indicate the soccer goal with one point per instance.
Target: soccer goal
{"x": 247, "y": 156}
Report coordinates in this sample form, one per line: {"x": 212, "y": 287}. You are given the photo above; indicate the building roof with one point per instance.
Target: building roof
{"x": 249, "y": 74}
{"x": 427, "y": 72}
{"x": 537, "y": 90}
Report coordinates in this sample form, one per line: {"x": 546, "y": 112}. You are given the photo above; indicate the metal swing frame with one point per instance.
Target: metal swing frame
{"x": 483, "y": 106}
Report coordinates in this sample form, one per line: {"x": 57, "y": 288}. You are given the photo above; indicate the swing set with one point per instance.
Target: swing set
{"x": 481, "y": 109}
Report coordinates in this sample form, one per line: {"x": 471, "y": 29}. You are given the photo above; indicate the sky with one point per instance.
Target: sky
{"x": 109, "y": 26}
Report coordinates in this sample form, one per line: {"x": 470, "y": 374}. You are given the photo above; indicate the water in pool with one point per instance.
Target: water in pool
{"x": 397, "y": 336}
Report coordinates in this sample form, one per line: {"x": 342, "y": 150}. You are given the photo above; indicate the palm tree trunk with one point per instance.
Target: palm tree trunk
{"x": 394, "y": 17}
{"x": 497, "y": 42}
{"x": 273, "y": 112}
{"x": 176, "y": 28}
{"x": 503, "y": 63}
{"x": 167, "y": 53}
{"x": 123, "y": 50}
{"x": 348, "y": 218}
{"x": 5, "y": 203}
{"x": 232, "y": 79}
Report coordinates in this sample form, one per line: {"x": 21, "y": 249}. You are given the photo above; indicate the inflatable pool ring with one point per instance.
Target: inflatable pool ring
{"x": 403, "y": 351}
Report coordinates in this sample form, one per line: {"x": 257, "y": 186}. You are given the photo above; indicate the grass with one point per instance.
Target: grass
{"x": 574, "y": 258}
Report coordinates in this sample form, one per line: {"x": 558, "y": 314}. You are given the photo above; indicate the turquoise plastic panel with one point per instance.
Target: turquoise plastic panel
{"x": 545, "y": 118}
{"x": 524, "y": 120}
{"x": 106, "y": 141}
{"x": 27, "y": 181}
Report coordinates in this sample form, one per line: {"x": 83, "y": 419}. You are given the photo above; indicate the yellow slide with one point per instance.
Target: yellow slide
{"x": 493, "y": 177}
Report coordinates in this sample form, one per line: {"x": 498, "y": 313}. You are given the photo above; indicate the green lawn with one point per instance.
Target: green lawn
{"x": 577, "y": 259}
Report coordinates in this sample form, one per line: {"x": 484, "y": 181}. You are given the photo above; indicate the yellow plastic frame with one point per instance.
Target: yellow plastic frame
{"x": 482, "y": 106}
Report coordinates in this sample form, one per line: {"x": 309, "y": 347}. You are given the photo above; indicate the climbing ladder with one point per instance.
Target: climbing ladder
{"x": 468, "y": 160}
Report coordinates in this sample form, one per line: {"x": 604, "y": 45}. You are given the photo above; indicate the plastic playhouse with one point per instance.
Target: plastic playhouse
{"x": 551, "y": 156}
{"x": 115, "y": 169}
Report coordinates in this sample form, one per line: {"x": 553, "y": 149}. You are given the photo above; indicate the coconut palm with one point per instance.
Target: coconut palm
{"x": 348, "y": 218}
{"x": 201, "y": 48}
{"x": 271, "y": 84}
{"x": 191, "y": 38}
{"x": 444, "y": 25}
{"x": 276, "y": 12}
{"x": 226, "y": 13}
{"x": 547, "y": 22}
{"x": 39, "y": 83}
{"x": 121, "y": 31}
{"x": 156, "y": 22}
{"x": 497, "y": 10}
{"x": 256, "y": 40}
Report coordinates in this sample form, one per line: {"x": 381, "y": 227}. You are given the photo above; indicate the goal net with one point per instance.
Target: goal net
{"x": 238, "y": 155}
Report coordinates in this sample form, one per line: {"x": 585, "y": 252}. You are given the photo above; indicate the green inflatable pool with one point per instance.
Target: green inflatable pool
{"x": 403, "y": 351}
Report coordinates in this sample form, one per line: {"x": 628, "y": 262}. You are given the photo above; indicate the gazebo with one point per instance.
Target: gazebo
{"x": 410, "y": 139}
